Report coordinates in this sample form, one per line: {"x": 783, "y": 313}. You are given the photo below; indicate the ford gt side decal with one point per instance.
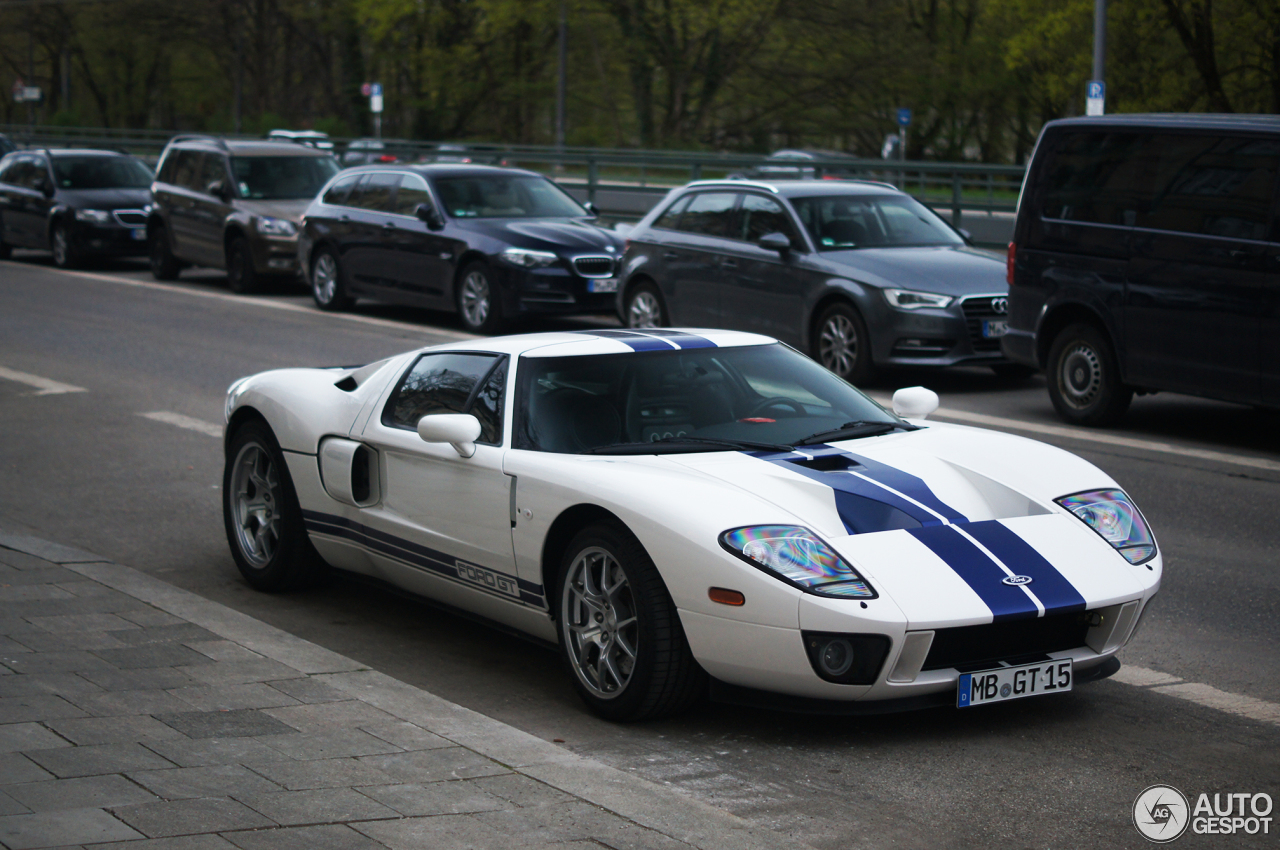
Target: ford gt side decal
{"x": 653, "y": 339}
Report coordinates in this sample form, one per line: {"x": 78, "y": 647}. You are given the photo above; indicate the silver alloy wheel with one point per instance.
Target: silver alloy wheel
{"x": 61, "y": 248}
{"x": 324, "y": 278}
{"x": 1080, "y": 375}
{"x": 255, "y": 503}
{"x": 644, "y": 310}
{"x": 475, "y": 300}
{"x": 838, "y": 344}
{"x": 598, "y": 622}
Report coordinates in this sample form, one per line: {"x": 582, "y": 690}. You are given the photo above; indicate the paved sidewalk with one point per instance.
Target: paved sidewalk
{"x": 137, "y": 715}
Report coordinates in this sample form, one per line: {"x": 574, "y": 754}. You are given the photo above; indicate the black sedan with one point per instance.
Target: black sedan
{"x": 75, "y": 203}
{"x": 494, "y": 244}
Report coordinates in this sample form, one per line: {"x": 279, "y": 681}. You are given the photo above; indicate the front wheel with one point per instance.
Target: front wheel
{"x": 620, "y": 635}
{"x": 65, "y": 253}
{"x": 842, "y": 344}
{"x": 1084, "y": 377}
{"x": 261, "y": 514}
{"x": 644, "y": 308}
{"x": 164, "y": 266}
{"x": 241, "y": 275}
{"x": 478, "y": 301}
{"x": 327, "y": 286}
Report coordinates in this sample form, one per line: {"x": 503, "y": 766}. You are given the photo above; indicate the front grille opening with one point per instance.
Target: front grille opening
{"x": 927, "y": 347}
{"x": 131, "y": 218}
{"x": 984, "y": 646}
{"x": 977, "y": 310}
{"x": 593, "y": 266}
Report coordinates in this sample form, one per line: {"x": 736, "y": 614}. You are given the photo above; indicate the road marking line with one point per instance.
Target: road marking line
{"x": 1143, "y": 678}
{"x": 262, "y": 302}
{"x": 1201, "y": 694}
{"x": 44, "y": 385}
{"x": 188, "y": 422}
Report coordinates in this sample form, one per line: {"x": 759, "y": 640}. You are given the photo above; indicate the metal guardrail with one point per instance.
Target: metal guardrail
{"x": 625, "y": 183}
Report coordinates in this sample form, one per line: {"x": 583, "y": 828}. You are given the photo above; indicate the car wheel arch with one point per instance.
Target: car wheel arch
{"x": 465, "y": 259}
{"x": 243, "y": 416}
{"x": 231, "y": 234}
{"x": 561, "y": 533}
{"x": 821, "y": 306}
{"x": 1058, "y": 319}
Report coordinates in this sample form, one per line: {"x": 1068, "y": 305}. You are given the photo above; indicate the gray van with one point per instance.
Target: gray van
{"x": 1145, "y": 257}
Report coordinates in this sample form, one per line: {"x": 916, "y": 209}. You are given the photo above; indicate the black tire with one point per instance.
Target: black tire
{"x": 663, "y": 678}
{"x": 1013, "y": 371}
{"x": 261, "y": 515}
{"x": 478, "y": 301}
{"x": 242, "y": 278}
{"x": 164, "y": 266}
{"x": 842, "y": 344}
{"x": 65, "y": 253}
{"x": 1084, "y": 377}
{"x": 645, "y": 308}
{"x": 328, "y": 284}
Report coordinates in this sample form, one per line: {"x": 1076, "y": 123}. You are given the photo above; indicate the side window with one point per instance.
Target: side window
{"x": 671, "y": 217}
{"x": 341, "y": 189}
{"x": 15, "y": 173}
{"x": 412, "y": 192}
{"x": 1098, "y": 177}
{"x": 710, "y": 213}
{"x": 376, "y": 192}
{"x": 761, "y": 216}
{"x": 451, "y": 383}
{"x": 37, "y": 174}
{"x": 187, "y": 169}
{"x": 211, "y": 168}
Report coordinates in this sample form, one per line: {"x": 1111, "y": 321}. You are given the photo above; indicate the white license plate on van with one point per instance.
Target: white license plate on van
{"x": 995, "y": 328}
{"x": 1006, "y": 683}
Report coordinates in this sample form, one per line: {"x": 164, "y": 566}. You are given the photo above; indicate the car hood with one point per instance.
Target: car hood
{"x": 950, "y": 270}
{"x": 105, "y": 199}
{"x": 548, "y": 234}
{"x": 291, "y": 209}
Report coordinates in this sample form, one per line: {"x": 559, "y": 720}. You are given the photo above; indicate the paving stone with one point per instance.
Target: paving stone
{"x": 82, "y": 623}
{"x": 222, "y": 650}
{"x": 521, "y": 790}
{"x": 189, "y": 817}
{"x": 435, "y": 765}
{"x": 16, "y": 768}
{"x": 436, "y": 798}
{"x": 407, "y": 736}
{"x": 440, "y": 831}
{"x": 322, "y": 773}
{"x": 247, "y": 723}
{"x": 240, "y": 672}
{"x": 16, "y": 737}
{"x": 22, "y": 560}
{"x": 179, "y": 633}
{"x": 66, "y": 641}
{"x": 227, "y": 697}
{"x": 63, "y": 684}
{"x": 10, "y": 806}
{"x": 309, "y": 690}
{"x": 110, "y": 703}
{"x": 36, "y": 707}
{"x": 151, "y": 617}
{"x": 87, "y": 731}
{"x": 219, "y": 780}
{"x": 330, "y": 837}
{"x": 8, "y": 645}
{"x": 138, "y": 680}
{"x": 84, "y": 588}
{"x": 327, "y": 805}
{"x": 96, "y": 760}
{"x": 12, "y": 623}
{"x": 95, "y": 792}
{"x": 44, "y": 549}
{"x": 179, "y": 842}
{"x": 577, "y": 821}
{"x": 328, "y": 715}
{"x": 71, "y": 826}
{"x": 329, "y": 745}
{"x": 204, "y": 751}
{"x": 114, "y": 603}
{"x": 40, "y": 575}
{"x": 53, "y": 662}
{"x": 150, "y": 655}
{"x": 29, "y": 592}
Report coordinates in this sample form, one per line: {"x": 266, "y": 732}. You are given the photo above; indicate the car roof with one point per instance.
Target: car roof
{"x": 1218, "y": 121}
{"x": 241, "y": 147}
{"x": 803, "y": 188}
{"x": 444, "y": 169}
{"x": 57, "y": 152}
{"x": 606, "y": 341}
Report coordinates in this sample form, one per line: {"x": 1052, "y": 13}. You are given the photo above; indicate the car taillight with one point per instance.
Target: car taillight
{"x": 626, "y": 245}
{"x": 386, "y": 157}
{"x": 1008, "y": 269}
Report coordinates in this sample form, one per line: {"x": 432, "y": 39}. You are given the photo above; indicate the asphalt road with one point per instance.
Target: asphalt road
{"x": 90, "y": 469}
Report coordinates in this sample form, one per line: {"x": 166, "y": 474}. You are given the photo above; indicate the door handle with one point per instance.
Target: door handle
{"x": 669, "y": 255}
{"x": 729, "y": 264}
{"x": 344, "y": 218}
{"x": 389, "y": 225}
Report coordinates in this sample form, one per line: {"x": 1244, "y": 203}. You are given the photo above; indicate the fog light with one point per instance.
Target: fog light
{"x": 279, "y": 263}
{"x": 846, "y": 659}
{"x": 836, "y": 657}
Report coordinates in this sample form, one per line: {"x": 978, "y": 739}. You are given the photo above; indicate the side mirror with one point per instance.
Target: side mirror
{"x": 591, "y": 208}
{"x": 218, "y": 189}
{"x": 775, "y": 242}
{"x": 459, "y": 430}
{"x": 429, "y": 215}
{"x": 915, "y": 402}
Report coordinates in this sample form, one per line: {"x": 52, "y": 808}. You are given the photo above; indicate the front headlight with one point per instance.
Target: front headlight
{"x": 528, "y": 259}
{"x": 1116, "y": 519}
{"x": 907, "y": 299}
{"x": 799, "y": 557}
{"x": 94, "y": 216}
{"x": 275, "y": 226}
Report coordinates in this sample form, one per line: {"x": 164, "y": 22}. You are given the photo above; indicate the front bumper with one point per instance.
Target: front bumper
{"x": 114, "y": 240}
{"x": 275, "y": 254}
{"x": 552, "y": 290}
{"x": 960, "y": 333}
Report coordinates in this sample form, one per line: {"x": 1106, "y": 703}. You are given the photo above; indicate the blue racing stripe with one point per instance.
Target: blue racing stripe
{"x": 680, "y": 338}
{"x": 637, "y": 342}
{"x": 982, "y": 574}
{"x": 1049, "y": 586}
{"x": 906, "y": 484}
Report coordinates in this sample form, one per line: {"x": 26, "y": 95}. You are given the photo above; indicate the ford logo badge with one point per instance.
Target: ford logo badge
{"x": 1017, "y": 581}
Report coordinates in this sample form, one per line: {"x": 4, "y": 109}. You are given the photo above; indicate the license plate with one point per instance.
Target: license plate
{"x": 605, "y": 285}
{"x": 139, "y": 234}
{"x": 995, "y": 328}
{"x": 1004, "y": 683}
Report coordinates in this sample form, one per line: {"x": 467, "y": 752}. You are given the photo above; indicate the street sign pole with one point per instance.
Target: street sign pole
{"x": 904, "y": 121}
{"x": 375, "y": 106}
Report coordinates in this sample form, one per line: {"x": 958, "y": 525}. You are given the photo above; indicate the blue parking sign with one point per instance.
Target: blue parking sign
{"x": 375, "y": 90}
{"x": 904, "y": 117}
{"x": 1097, "y": 90}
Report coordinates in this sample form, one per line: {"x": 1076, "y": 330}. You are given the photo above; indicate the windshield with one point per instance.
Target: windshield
{"x": 280, "y": 178}
{"x": 100, "y": 172}
{"x": 841, "y": 222}
{"x": 500, "y": 196}
{"x": 618, "y": 403}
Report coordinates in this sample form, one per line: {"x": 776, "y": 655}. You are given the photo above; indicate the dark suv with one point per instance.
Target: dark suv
{"x": 75, "y": 203}
{"x": 857, "y": 274}
{"x": 233, "y": 205}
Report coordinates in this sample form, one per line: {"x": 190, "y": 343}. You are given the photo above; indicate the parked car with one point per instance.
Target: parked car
{"x": 688, "y": 512}
{"x": 857, "y": 274}
{"x": 801, "y": 165}
{"x": 477, "y": 154}
{"x": 310, "y": 138}
{"x": 494, "y": 244}
{"x": 75, "y": 203}
{"x": 365, "y": 151}
{"x": 7, "y": 145}
{"x": 232, "y": 205}
{"x": 1146, "y": 256}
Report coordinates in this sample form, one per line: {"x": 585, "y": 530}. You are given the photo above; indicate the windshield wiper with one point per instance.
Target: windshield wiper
{"x": 855, "y": 429}
{"x": 727, "y": 442}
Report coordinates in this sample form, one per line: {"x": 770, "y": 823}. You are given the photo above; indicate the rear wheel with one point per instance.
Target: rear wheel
{"x": 241, "y": 276}
{"x": 620, "y": 635}
{"x": 644, "y": 308}
{"x": 327, "y": 286}
{"x": 1084, "y": 377}
{"x": 65, "y": 253}
{"x": 478, "y": 301}
{"x": 164, "y": 266}
{"x": 842, "y": 344}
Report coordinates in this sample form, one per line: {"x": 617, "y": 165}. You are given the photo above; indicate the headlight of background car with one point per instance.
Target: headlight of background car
{"x": 906, "y": 299}
{"x": 528, "y": 259}
{"x": 799, "y": 557}
{"x": 95, "y": 216}
{"x": 275, "y": 226}
{"x": 1116, "y": 519}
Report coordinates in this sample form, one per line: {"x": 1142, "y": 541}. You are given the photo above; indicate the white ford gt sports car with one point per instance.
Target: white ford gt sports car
{"x": 694, "y": 511}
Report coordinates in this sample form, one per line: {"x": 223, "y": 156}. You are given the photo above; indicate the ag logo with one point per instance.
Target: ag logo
{"x": 1016, "y": 581}
{"x": 1161, "y": 813}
